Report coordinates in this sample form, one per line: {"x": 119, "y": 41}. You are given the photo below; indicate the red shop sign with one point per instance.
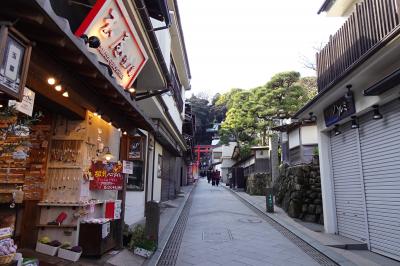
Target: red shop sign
{"x": 121, "y": 48}
{"x": 106, "y": 176}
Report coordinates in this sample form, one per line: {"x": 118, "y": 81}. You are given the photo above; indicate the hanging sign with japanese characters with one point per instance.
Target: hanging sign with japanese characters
{"x": 120, "y": 47}
{"x": 106, "y": 176}
{"x": 339, "y": 110}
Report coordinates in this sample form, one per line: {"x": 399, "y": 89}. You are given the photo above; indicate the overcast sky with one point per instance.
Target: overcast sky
{"x": 241, "y": 44}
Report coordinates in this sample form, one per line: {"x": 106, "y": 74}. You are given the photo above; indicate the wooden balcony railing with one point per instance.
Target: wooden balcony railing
{"x": 372, "y": 24}
{"x": 176, "y": 89}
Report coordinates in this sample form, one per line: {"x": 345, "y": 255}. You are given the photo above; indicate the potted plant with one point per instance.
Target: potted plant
{"x": 70, "y": 253}
{"x": 46, "y": 246}
{"x": 126, "y": 235}
{"x": 140, "y": 244}
{"x": 145, "y": 248}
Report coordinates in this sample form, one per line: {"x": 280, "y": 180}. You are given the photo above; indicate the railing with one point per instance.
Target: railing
{"x": 371, "y": 25}
{"x": 176, "y": 89}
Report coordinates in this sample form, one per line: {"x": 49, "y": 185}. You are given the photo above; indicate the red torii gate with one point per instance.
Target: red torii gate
{"x": 201, "y": 149}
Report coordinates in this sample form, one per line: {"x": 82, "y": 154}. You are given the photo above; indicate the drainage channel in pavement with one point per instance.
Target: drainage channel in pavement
{"x": 170, "y": 253}
{"x": 308, "y": 249}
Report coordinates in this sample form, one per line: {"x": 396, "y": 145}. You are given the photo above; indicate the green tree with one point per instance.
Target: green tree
{"x": 201, "y": 110}
{"x": 251, "y": 113}
{"x": 239, "y": 124}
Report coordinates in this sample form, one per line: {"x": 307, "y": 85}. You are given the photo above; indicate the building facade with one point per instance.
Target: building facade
{"x": 357, "y": 109}
{"x": 109, "y": 79}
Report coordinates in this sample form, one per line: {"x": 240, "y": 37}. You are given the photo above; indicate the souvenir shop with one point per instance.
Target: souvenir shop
{"x": 62, "y": 118}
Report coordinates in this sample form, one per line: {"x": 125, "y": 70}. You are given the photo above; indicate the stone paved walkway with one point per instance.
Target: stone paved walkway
{"x": 221, "y": 230}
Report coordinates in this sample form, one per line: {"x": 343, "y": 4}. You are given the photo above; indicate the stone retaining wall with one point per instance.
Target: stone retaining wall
{"x": 256, "y": 184}
{"x": 298, "y": 191}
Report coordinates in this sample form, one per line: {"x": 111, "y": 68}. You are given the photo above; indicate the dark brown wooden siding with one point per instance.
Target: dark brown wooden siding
{"x": 371, "y": 24}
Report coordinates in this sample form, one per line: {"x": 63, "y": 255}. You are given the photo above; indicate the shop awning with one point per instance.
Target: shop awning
{"x": 165, "y": 138}
{"x": 384, "y": 85}
{"x": 52, "y": 34}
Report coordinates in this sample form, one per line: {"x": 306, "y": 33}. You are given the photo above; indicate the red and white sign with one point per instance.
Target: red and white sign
{"x": 120, "y": 47}
{"x": 106, "y": 176}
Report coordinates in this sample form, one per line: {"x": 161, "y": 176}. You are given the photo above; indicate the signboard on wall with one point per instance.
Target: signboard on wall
{"x": 127, "y": 167}
{"x": 120, "y": 48}
{"x": 135, "y": 148}
{"x": 106, "y": 176}
{"x": 14, "y": 60}
{"x": 339, "y": 110}
{"x": 26, "y": 105}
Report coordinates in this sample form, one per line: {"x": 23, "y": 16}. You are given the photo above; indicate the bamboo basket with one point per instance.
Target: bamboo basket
{"x": 6, "y": 259}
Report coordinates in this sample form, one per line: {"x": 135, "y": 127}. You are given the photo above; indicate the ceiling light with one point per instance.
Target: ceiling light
{"x": 313, "y": 117}
{"x": 65, "y": 94}
{"x": 354, "y": 123}
{"x": 337, "y": 131}
{"x": 51, "y": 81}
{"x": 110, "y": 123}
{"x": 131, "y": 90}
{"x": 108, "y": 156}
{"x": 349, "y": 93}
{"x": 1, "y": 106}
{"x": 58, "y": 88}
{"x": 125, "y": 133}
{"x": 94, "y": 42}
{"x": 95, "y": 114}
{"x": 119, "y": 129}
{"x": 377, "y": 115}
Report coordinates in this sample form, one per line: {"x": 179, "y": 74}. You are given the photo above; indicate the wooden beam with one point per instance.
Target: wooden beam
{"x": 37, "y": 81}
{"x": 49, "y": 39}
{"x": 72, "y": 59}
{"x": 24, "y": 15}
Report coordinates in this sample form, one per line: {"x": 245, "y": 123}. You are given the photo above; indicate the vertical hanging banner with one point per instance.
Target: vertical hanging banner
{"x": 106, "y": 176}
{"x": 120, "y": 47}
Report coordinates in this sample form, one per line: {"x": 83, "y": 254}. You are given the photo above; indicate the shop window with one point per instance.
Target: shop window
{"x": 136, "y": 180}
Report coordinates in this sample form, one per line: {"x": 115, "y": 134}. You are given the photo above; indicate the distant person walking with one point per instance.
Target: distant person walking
{"x": 208, "y": 176}
{"x": 217, "y": 177}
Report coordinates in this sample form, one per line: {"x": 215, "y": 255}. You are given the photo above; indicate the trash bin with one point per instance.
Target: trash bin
{"x": 152, "y": 220}
{"x": 269, "y": 197}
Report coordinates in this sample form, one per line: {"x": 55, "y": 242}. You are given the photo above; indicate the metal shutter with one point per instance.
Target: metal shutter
{"x": 349, "y": 198}
{"x": 380, "y": 147}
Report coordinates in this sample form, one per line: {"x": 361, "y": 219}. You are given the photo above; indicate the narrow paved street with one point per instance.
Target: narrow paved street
{"x": 221, "y": 230}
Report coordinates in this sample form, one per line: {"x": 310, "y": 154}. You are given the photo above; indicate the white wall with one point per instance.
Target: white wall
{"x": 173, "y": 111}
{"x": 164, "y": 40}
{"x": 309, "y": 135}
{"x": 262, "y": 154}
{"x": 294, "y": 138}
{"x": 134, "y": 207}
{"x": 157, "y": 181}
{"x": 328, "y": 198}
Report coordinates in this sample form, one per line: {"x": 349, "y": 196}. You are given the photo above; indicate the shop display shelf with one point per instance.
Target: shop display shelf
{"x": 77, "y": 204}
{"x": 65, "y": 167}
{"x": 62, "y": 226}
{"x": 11, "y": 182}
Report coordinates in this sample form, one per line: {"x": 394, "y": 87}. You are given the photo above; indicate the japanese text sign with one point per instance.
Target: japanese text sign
{"x": 339, "y": 110}
{"x": 120, "y": 46}
{"x": 106, "y": 176}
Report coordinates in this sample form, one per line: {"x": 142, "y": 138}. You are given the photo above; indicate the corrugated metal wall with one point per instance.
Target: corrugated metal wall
{"x": 380, "y": 147}
{"x": 366, "y": 175}
{"x": 347, "y": 179}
